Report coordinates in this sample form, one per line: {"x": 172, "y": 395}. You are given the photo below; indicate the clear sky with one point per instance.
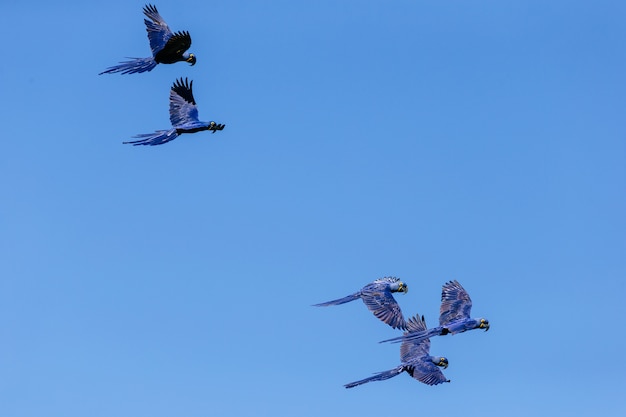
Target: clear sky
{"x": 482, "y": 141}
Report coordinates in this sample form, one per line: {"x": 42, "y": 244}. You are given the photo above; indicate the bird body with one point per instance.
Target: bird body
{"x": 454, "y": 316}
{"x": 461, "y": 326}
{"x": 167, "y": 47}
{"x": 415, "y": 360}
{"x": 378, "y": 297}
{"x": 183, "y": 117}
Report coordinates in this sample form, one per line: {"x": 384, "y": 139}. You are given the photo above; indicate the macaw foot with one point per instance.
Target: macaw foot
{"x": 444, "y": 331}
{"x": 217, "y": 127}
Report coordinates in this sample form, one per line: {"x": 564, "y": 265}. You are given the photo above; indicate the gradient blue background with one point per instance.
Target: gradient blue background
{"x": 482, "y": 141}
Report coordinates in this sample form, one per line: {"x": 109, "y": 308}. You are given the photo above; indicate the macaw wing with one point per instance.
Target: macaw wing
{"x": 411, "y": 350}
{"x": 455, "y": 303}
{"x": 425, "y": 371}
{"x": 183, "y": 109}
{"x": 176, "y": 44}
{"x": 158, "y": 31}
{"x": 384, "y": 306}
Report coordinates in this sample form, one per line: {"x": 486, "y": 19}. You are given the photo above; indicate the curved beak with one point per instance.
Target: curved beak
{"x": 191, "y": 59}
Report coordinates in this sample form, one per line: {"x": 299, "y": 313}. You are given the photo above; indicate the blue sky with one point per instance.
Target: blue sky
{"x": 481, "y": 141}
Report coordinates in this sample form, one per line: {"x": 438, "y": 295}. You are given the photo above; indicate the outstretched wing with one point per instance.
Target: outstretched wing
{"x": 455, "y": 303}
{"x": 158, "y": 31}
{"x": 178, "y": 43}
{"x": 183, "y": 108}
{"x": 411, "y": 350}
{"x": 425, "y": 371}
{"x": 416, "y": 355}
{"x": 379, "y": 300}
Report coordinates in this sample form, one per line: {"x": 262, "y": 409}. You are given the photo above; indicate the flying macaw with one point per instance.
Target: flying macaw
{"x": 167, "y": 47}
{"x": 378, "y": 298}
{"x": 183, "y": 115}
{"x": 454, "y": 315}
{"x": 415, "y": 360}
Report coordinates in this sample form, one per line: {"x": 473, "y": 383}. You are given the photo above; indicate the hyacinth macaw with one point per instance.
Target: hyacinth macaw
{"x": 378, "y": 298}
{"x": 183, "y": 116}
{"x": 167, "y": 47}
{"x": 415, "y": 360}
{"x": 454, "y": 315}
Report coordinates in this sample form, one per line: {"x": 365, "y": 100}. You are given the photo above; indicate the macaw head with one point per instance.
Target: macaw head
{"x": 191, "y": 58}
{"x": 394, "y": 284}
{"x": 483, "y": 324}
{"x": 440, "y": 361}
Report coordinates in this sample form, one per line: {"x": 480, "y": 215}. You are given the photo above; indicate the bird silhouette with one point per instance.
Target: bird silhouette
{"x": 183, "y": 116}
{"x": 378, "y": 298}
{"x": 415, "y": 360}
{"x": 454, "y": 315}
{"x": 167, "y": 47}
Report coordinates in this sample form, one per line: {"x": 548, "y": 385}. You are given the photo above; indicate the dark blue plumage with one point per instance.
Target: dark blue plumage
{"x": 454, "y": 315}
{"x": 183, "y": 116}
{"x": 378, "y": 298}
{"x": 167, "y": 47}
{"x": 415, "y": 360}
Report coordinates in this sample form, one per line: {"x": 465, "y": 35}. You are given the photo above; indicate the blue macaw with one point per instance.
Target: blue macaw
{"x": 378, "y": 298}
{"x": 167, "y": 47}
{"x": 454, "y": 315}
{"x": 415, "y": 360}
{"x": 183, "y": 115}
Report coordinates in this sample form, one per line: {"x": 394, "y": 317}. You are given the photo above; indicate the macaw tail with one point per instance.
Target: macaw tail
{"x": 157, "y": 138}
{"x": 381, "y": 376}
{"x": 135, "y": 66}
{"x": 343, "y": 300}
{"x": 416, "y": 337}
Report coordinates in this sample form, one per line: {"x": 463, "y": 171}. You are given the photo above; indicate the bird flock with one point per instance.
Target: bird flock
{"x": 415, "y": 358}
{"x": 167, "y": 48}
{"x": 454, "y": 316}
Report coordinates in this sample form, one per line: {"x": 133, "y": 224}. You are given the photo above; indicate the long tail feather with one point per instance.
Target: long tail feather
{"x": 416, "y": 337}
{"x": 157, "y": 138}
{"x": 135, "y": 66}
{"x": 381, "y": 376}
{"x": 343, "y": 300}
